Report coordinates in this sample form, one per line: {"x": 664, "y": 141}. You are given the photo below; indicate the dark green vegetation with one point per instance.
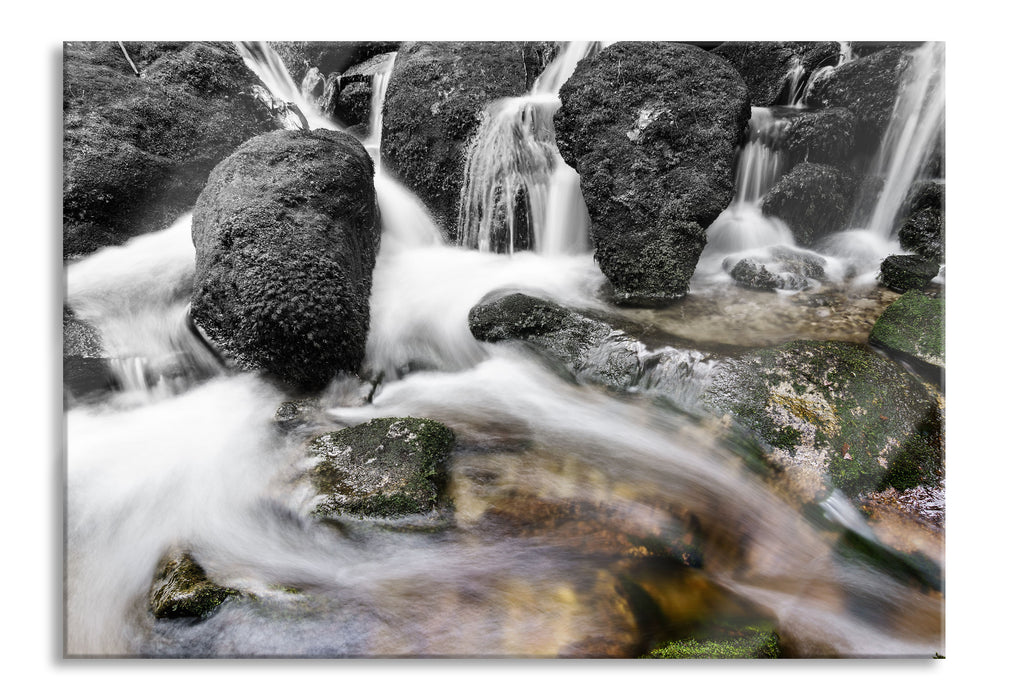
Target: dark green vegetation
{"x": 913, "y": 328}
{"x": 652, "y": 129}
{"x": 286, "y": 235}
{"x": 752, "y": 642}
{"x": 137, "y": 150}
{"x": 181, "y": 589}
{"x": 385, "y": 468}
{"x": 437, "y": 92}
{"x": 879, "y": 426}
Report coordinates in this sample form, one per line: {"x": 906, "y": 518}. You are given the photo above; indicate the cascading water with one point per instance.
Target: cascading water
{"x": 742, "y": 226}
{"x": 513, "y": 168}
{"x": 209, "y": 470}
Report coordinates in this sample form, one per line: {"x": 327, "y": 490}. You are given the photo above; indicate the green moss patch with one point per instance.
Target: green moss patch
{"x": 913, "y": 327}
{"x": 755, "y": 642}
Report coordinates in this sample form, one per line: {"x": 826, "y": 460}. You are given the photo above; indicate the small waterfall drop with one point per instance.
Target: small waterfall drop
{"x": 518, "y": 192}
{"x": 743, "y": 226}
{"x": 919, "y": 116}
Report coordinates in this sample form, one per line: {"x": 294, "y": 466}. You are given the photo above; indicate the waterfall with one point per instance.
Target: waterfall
{"x": 919, "y": 116}
{"x": 514, "y": 170}
{"x": 742, "y": 226}
{"x": 379, "y": 85}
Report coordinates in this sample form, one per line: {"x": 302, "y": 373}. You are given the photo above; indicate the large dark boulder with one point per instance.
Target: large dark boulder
{"x": 868, "y": 88}
{"x": 813, "y": 199}
{"x": 137, "y": 149}
{"x": 436, "y": 94}
{"x": 839, "y": 405}
{"x": 766, "y": 66}
{"x": 825, "y": 136}
{"x": 286, "y": 235}
{"x": 651, "y": 128}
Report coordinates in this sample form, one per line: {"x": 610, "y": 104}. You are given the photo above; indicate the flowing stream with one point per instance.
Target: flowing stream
{"x": 555, "y": 484}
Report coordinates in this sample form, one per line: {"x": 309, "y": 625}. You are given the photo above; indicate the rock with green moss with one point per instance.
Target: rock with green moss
{"x": 387, "y": 467}
{"x": 754, "y": 642}
{"x": 181, "y": 589}
{"x": 903, "y": 272}
{"x": 835, "y": 413}
{"x": 590, "y": 349}
{"x": 914, "y": 328}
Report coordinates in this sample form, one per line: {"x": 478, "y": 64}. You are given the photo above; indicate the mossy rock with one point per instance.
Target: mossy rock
{"x": 852, "y": 418}
{"x": 903, "y": 272}
{"x": 913, "y": 327}
{"x": 754, "y": 642}
{"x": 80, "y": 338}
{"x": 387, "y": 467}
{"x": 923, "y": 230}
{"x": 181, "y": 589}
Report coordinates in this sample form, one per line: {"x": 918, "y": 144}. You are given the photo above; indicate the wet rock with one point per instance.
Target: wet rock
{"x": 861, "y": 49}
{"x": 353, "y": 106}
{"x": 780, "y": 268}
{"x": 766, "y": 66}
{"x": 903, "y": 272}
{"x": 181, "y": 589}
{"x": 590, "y": 349}
{"x": 286, "y": 235}
{"x": 923, "y": 231}
{"x": 327, "y": 57}
{"x": 80, "y": 338}
{"x": 813, "y": 199}
{"x": 826, "y": 136}
{"x": 137, "y": 150}
{"x": 867, "y": 87}
{"x": 87, "y": 379}
{"x": 651, "y": 128}
{"x": 387, "y": 467}
{"x": 436, "y": 94}
{"x": 835, "y": 412}
{"x": 913, "y": 328}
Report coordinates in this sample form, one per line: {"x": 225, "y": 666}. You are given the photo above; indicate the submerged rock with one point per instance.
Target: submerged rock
{"x": 813, "y": 199}
{"x": 913, "y": 328}
{"x": 436, "y": 94}
{"x": 387, "y": 467}
{"x": 181, "y": 589}
{"x": 286, "y": 235}
{"x": 651, "y": 128}
{"x": 836, "y": 405}
{"x": 780, "y": 268}
{"x": 903, "y": 272}
{"x": 825, "y": 136}
{"x": 768, "y": 66}
{"x": 137, "y": 150}
{"x": 868, "y": 88}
